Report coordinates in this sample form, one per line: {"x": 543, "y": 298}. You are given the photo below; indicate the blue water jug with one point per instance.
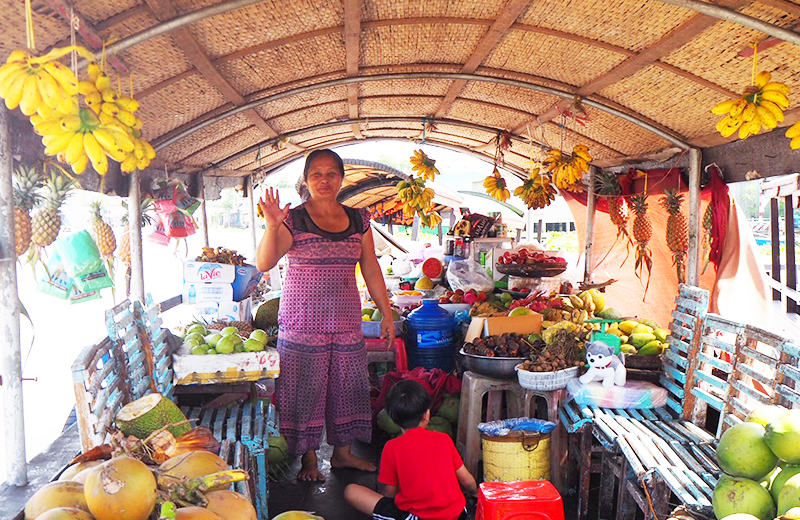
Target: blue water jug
{"x": 430, "y": 336}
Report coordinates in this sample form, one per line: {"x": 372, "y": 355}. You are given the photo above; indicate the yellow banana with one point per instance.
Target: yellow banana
{"x": 31, "y": 99}
{"x": 57, "y": 143}
{"x": 776, "y": 111}
{"x": 79, "y": 166}
{"x": 75, "y": 148}
{"x": 110, "y": 95}
{"x": 44, "y": 111}
{"x": 142, "y": 163}
{"x": 71, "y": 123}
{"x": 723, "y": 107}
{"x": 8, "y": 69}
{"x": 94, "y": 71}
{"x": 96, "y": 154}
{"x": 17, "y": 57}
{"x": 749, "y": 112}
{"x": 129, "y": 104}
{"x": 795, "y": 143}
{"x": 738, "y": 107}
{"x": 793, "y": 131}
{"x": 129, "y": 164}
{"x": 762, "y": 78}
{"x": 49, "y": 127}
{"x": 102, "y": 83}
{"x": 766, "y": 117}
{"x": 776, "y": 97}
{"x": 68, "y": 105}
{"x": 48, "y": 89}
{"x": 63, "y": 75}
{"x": 121, "y": 139}
{"x": 110, "y": 108}
{"x": 778, "y": 87}
{"x": 126, "y": 118}
{"x": 728, "y": 126}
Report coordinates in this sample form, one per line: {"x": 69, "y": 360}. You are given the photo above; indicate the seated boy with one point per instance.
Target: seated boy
{"x": 421, "y": 470}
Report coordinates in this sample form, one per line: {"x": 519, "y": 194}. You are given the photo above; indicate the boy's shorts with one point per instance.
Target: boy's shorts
{"x": 386, "y": 509}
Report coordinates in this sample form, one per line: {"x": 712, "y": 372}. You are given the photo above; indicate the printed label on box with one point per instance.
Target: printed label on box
{"x": 211, "y": 292}
{"x": 208, "y": 272}
{"x": 236, "y": 311}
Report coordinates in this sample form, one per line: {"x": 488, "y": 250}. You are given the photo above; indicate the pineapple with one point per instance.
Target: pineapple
{"x": 26, "y": 182}
{"x": 608, "y": 187}
{"x": 106, "y": 242}
{"x": 46, "y": 220}
{"x": 677, "y": 231}
{"x": 708, "y": 224}
{"x": 244, "y": 328}
{"x": 642, "y": 233}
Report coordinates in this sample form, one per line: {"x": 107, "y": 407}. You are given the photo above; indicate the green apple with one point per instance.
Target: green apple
{"x": 226, "y": 344}
{"x": 211, "y": 352}
{"x": 238, "y": 349}
{"x": 195, "y": 336}
{"x": 199, "y": 351}
{"x": 197, "y": 328}
{"x": 227, "y": 331}
{"x": 212, "y": 339}
{"x": 259, "y": 335}
{"x": 253, "y": 345}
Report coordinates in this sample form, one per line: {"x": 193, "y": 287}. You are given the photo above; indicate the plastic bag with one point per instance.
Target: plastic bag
{"x": 58, "y": 283}
{"x": 93, "y": 281}
{"x": 635, "y": 394}
{"x": 178, "y": 225}
{"x": 506, "y": 426}
{"x": 79, "y": 254}
{"x": 78, "y": 296}
{"x": 468, "y": 274}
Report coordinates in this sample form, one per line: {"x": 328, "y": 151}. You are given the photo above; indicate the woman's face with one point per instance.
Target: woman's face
{"x": 324, "y": 178}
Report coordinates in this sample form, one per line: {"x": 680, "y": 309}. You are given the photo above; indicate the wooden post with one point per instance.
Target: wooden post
{"x": 415, "y": 229}
{"x": 10, "y": 350}
{"x": 201, "y": 189}
{"x": 135, "y": 230}
{"x": 389, "y": 226}
{"x": 439, "y": 232}
{"x": 591, "y": 205}
{"x": 775, "y": 240}
{"x": 539, "y": 231}
{"x": 251, "y": 196}
{"x": 791, "y": 264}
{"x": 693, "y": 261}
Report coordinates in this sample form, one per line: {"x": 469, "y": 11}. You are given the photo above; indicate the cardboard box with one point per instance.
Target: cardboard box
{"x": 207, "y": 311}
{"x": 194, "y": 292}
{"x": 499, "y": 325}
{"x": 236, "y": 311}
{"x": 242, "y": 278}
{"x": 225, "y": 368}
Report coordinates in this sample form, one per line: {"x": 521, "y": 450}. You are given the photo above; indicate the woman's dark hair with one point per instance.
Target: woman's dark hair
{"x": 323, "y": 153}
{"x": 407, "y": 402}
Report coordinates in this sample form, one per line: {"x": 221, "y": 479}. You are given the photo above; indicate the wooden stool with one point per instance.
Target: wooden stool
{"x": 473, "y": 388}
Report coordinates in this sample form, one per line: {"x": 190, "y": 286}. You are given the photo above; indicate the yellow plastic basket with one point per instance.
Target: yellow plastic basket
{"x": 516, "y": 456}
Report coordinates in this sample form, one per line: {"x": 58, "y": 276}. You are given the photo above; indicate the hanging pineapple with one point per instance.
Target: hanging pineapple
{"x": 708, "y": 223}
{"x": 642, "y": 233}
{"x": 677, "y": 231}
{"x": 607, "y": 186}
{"x": 537, "y": 192}
{"x": 496, "y": 186}
{"x": 26, "y": 182}
{"x": 106, "y": 242}
{"x": 46, "y": 220}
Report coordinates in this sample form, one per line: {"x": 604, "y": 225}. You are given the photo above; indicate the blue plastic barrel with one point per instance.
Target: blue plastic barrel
{"x": 430, "y": 336}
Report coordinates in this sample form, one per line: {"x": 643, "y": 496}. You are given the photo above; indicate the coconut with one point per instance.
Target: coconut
{"x": 789, "y": 495}
{"x": 742, "y": 452}
{"x": 386, "y": 423}
{"x": 55, "y": 495}
{"x": 764, "y": 415}
{"x": 297, "y": 515}
{"x": 122, "y": 488}
{"x": 65, "y": 513}
{"x": 449, "y": 409}
{"x": 783, "y": 436}
{"x": 83, "y": 475}
{"x": 742, "y": 495}
{"x": 76, "y": 468}
{"x": 780, "y": 480}
{"x": 792, "y": 514}
{"x": 278, "y": 450}
{"x": 231, "y": 505}
{"x": 148, "y": 414}
{"x": 196, "y": 513}
{"x": 193, "y": 465}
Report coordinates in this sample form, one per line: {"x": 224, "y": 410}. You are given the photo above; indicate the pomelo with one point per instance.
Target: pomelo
{"x": 432, "y": 268}
{"x": 196, "y": 513}
{"x": 789, "y": 496}
{"x": 297, "y": 515}
{"x": 740, "y": 516}
{"x": 741, "y": 495}
{"x": 783, "y": 436}
{"x": 742, "y": 452}
{"x": 192, "y": 465}
{"x": 65, "y": 513}
{"x": 764, "y": 415}
{"x": 781, "y": 478}
{"x": 77, "y": 468}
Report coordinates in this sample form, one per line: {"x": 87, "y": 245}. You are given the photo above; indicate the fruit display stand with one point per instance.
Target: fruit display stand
{"x": 226, "y": 368}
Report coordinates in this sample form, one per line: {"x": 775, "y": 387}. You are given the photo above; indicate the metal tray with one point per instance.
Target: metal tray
{"x": 497, "y": 367}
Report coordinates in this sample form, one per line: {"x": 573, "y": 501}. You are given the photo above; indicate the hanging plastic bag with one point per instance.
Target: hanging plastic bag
{"x": 468, "y": 274}
{"x": 157, "y": 233}
{"x": 79, "y": 254}
{"x": 183, "y": 201}
{"x": 78, "y": 296}
{"x": 57, "y": 283}
{"x": 164, "y": 199}
{"x": 93, "y": 281}
{"x": 178, "y": 225}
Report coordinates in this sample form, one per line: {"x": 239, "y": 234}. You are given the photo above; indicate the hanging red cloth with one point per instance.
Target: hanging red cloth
{"x": 720, "y": 205}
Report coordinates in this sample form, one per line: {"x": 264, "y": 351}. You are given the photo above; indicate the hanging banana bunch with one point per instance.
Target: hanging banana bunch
{"x": 537, "y": 192}
{"x": 416, "y": 199}
{"x": 424, "y": 166}
{"x": 568, "y": 170}
{"x": 793, "y": 133}
{"x": 496, "y": 186}
{"x": 761, "y": 105}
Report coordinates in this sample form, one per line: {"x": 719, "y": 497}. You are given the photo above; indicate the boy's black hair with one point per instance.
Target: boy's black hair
{"x": 321, "y": 153}
{"x": 407, "y": 402}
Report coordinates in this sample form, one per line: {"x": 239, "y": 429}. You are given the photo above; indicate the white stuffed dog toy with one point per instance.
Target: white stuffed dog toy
{"x": 604, "y": 365}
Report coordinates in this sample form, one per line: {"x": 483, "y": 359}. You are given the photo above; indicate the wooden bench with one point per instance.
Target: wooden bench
{"x": 136, "y": 359}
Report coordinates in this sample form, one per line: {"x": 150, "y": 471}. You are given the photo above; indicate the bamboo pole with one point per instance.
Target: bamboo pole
{"x": 591, "y": 205}
{"x": 253, "y": 231}
{"x": 135, "y": 229}
{"x": 415, "y": 229}
{"x": 201, "y": 190}
{"x": 11, "y": 362}
{"x": 693, "y": 260}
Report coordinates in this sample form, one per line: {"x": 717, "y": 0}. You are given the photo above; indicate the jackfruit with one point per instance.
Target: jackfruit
{"x": 267, "y": 314}
{"x": 148, "y": 414}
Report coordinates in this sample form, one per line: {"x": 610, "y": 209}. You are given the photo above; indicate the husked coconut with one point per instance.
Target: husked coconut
{"x": 65, "y": 513}
{"x": 231, "y": 505}
{"x": 55, "y": 495}
{"x": 196, "y": 513}
{"x": 122, "y": 488}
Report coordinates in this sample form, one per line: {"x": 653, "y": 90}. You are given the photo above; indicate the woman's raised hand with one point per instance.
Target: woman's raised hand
{"x": 270, "y": 207}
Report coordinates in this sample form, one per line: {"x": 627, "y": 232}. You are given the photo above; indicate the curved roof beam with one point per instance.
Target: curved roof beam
{"x": 729, "y": 15}
{"x": 669, "y": 136}
{"x": 441, "y": 20}
{"x": 364, "y": 186}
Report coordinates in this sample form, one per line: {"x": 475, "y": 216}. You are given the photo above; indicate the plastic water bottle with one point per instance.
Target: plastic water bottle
{"x": 430, "y": 337}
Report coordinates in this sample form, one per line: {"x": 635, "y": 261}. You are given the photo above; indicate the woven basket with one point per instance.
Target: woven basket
{"x": 516, "y": 456}
{"x": 545, "y": 380}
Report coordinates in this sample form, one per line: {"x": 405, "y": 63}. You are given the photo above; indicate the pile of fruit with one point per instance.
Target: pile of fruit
{"x": 459, "y": 296}
{"x": 559, "y": 348}
{"x": 576, "y": 308}
{"x": 505, "y": 345}
{"x": 199, "y": 341}
{"x": 186, "y": 482}
{"x": 536, "y": 302}
{"x": 370, "y": 314}
{"x": 642, "y": 336}
{"x": 525, "y": 256}
{"x": 761, "y": 461}
{"x": 220, "y": 255}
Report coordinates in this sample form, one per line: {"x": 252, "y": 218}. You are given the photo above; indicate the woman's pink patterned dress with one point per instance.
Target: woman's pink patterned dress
{"x": 324, "y": 381}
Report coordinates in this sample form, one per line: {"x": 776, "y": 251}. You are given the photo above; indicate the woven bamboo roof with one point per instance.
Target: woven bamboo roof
{"x": 286, "y": 64}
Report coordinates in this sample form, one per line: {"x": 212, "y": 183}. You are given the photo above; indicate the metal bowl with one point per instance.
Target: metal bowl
{"x": 497, "y": 367}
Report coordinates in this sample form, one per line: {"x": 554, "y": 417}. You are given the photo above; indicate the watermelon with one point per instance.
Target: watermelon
{"x": 432, "y": 268}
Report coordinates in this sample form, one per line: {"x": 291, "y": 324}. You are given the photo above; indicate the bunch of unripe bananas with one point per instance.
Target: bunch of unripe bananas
{"x": 537, "y": 192}
{"x": 496, "y": 186}
{"x": 568, "y": 169}
{"x": 416, "y": 200}
{"x": 760, "y": 106}
{"x": 424, "y": 166}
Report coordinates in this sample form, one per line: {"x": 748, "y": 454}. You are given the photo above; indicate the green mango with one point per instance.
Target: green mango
{"x": 640, "y": 339}
{"x": 367, "y": 311}
{"x": 377, "y": 316}
{"x": 628, "y": 349}
{"x": 609, "y": 314}
{"x": 652, "y": 347}
{"x": 650, "y": 323}
{"x": 661, "y": 334}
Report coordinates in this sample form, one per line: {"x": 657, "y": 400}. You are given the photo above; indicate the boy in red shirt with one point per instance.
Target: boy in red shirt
{"x": 421, "y": 470}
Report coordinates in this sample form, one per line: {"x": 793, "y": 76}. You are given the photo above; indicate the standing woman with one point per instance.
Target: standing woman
{"x": 324, "y": 381}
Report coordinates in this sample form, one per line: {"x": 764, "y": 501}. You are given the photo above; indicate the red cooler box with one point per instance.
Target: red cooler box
{"x": 525, "y": 500}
